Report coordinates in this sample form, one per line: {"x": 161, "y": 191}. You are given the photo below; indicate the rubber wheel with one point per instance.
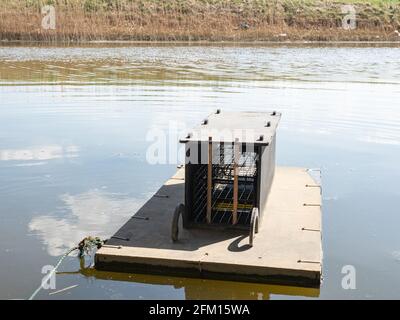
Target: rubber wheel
{"x": 253, "y": 226}
{"x": 175, "y": 222}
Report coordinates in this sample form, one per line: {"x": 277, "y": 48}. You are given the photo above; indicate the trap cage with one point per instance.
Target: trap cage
{"x": 229, "y": 169}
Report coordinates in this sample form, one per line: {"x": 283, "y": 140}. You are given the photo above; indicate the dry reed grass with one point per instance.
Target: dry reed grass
{"x": 192, "y": 20}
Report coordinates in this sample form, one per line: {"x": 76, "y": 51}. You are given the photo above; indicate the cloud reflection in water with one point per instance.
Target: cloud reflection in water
{"x": 95, "y": 213}
{"x": 48, "y": 152}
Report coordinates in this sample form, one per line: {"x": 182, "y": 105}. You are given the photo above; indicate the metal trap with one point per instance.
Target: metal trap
{"x": 230, "y": 164}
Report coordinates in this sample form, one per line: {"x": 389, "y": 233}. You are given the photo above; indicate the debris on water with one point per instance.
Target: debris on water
{"x": 88, "y": 244}
{"x": 63, "y": 290}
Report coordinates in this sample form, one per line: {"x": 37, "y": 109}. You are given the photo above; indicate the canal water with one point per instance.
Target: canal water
{"x": 76, "y": 124}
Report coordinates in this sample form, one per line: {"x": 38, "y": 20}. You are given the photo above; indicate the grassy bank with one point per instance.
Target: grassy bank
{"x": 193, "y": 20}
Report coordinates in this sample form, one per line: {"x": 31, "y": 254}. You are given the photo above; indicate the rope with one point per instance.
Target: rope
{"x": 84, "y": 247}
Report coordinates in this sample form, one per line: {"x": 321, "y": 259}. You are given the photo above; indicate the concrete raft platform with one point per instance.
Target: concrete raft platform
{"x": 287, "y": 249}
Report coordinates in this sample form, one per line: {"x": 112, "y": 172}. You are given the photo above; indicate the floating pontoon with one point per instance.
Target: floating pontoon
{"x": 229, "y": 213}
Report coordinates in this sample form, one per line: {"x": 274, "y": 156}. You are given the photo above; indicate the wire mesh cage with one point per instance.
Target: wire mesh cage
{"x": 222, "y": 187}
{"x": 227, "y": 180}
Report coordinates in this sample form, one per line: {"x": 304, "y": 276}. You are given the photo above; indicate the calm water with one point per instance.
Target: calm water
{"x": 73, "y": 125}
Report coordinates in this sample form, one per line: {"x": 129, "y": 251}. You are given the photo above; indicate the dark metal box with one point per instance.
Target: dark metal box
{"x": 229, "y": 169}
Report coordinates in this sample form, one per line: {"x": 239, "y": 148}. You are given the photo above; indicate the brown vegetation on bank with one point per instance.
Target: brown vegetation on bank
{"x": 194, "y": 20}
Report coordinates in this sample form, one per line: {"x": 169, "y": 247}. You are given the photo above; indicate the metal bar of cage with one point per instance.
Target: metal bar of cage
{"x": 209, "y": 180}
{"x": 222, "y": 184}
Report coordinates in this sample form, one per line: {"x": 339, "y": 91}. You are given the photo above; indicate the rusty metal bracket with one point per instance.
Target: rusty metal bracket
{"x": 110, "y": 246}
{"x": 309, "y": 229}
{"x": 311, "y": 204}
{"x": 120, "y": 238}
{"x": 161, "y": 196}
{"x": 308, "y": 261}
{"x": 140, "y": 218}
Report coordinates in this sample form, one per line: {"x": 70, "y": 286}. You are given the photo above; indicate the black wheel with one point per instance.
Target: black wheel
{"x": 253, "y": 226}
{"x": 175, "y": 222}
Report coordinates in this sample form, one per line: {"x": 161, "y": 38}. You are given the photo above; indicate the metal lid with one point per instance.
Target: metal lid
{"x": 248, "y": 127}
